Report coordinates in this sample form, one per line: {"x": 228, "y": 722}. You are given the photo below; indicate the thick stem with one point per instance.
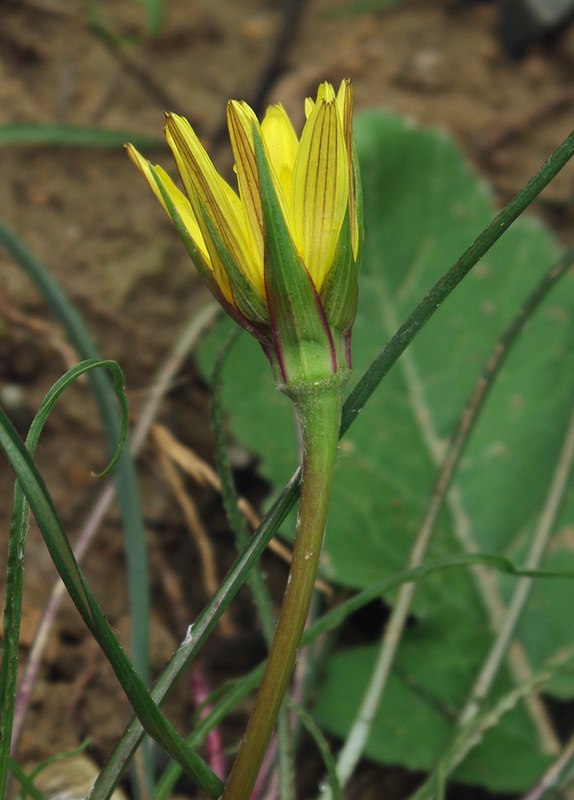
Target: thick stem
{"x": 319, "y": 413}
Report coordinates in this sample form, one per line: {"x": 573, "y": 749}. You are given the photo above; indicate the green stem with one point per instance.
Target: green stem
{"x": 319, "y": 413}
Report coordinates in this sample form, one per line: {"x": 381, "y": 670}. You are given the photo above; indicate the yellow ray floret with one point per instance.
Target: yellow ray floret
{"x": 312, "y": 177}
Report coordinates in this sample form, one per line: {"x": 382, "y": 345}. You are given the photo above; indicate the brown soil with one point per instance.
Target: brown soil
{"x": 87, "y": 215}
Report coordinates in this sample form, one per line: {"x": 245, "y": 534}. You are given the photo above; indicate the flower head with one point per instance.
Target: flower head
{"x": 281, "y": 253}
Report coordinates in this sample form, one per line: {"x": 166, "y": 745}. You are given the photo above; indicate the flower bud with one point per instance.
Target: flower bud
{"x": 281, "y": 254}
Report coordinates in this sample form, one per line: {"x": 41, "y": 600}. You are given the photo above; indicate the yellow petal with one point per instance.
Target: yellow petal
{"x": 309, "y": 106}
{"x": 320, "y": 186}
{"x": 177, "y": 197}
{"x": 325, "y": 92}
{"x": 345, "y": 108}
{"x": 198, "y": 172}
{"x": 240, "y": 121}
{"x": 282, "y": 143}
{"x": 206, "y": 187}
{"x": 241, "y": 127}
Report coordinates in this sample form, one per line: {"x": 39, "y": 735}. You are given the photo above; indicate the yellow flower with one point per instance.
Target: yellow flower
{"x": 280, "y": 254}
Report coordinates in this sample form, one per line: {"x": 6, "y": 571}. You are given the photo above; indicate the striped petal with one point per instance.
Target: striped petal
{"x": 241, "y": 120}
{"x": 281, "y": 144}
{"x": 320, "y": 186}
{"x": 209, "y": 193}
{"x": 243, "y": 125}
{"x": 345, "y": 108}
{"x": 177, "y": 197}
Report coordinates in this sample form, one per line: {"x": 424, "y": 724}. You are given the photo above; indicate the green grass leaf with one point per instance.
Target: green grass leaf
{"x": 42, "y": 507}
{"x": 16, "y": 545}
{"x": 40, "y": 134}
{"x": 77, "y": 332}
{"x": 155, "y": 16}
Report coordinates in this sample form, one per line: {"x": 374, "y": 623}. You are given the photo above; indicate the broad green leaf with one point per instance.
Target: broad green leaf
{"x": 419, "y": 714}
{"x": 423, "y": 207}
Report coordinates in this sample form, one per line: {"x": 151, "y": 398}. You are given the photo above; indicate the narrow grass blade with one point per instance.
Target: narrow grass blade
{"x": 16, "y": 545}
{"x": 128, "y": 496}
{"x": 46, "y": 515}
{"x": 23, "y": 134}
{"x": 25, "y": 782}
{"x": 418, "y": 318}
{"x": 322, "y": 745}
{"x": 155, "y": 16}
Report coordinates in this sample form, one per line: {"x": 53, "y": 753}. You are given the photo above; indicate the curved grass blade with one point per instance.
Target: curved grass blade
{"x": 46, "y": 515}
{"x": 16, "y": 545}
{"x": 25, "y": 782}
{"x": 35, "y": 133}
{"x": 322, "y": 745}
{"x": 128, "y": 494}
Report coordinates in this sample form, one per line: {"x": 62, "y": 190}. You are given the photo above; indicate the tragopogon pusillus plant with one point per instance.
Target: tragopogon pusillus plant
{"x": 281, "y": 256}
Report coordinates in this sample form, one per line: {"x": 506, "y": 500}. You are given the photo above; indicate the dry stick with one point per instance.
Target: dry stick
{"x": 546, "y": 524}
{"x": 198, "y": 684}
{"x": 204, "y": 475}
{"x": 553, "y": 776}
{"x": 193, "y": 521}
{"x": 471, "y": 735}
{"x": 291, "y": 14}
{"x": 188, "y": 340}
{"x": 130, "y": 66}
{"x": 356, "y": 740}
{"x": 38, "y": 328}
